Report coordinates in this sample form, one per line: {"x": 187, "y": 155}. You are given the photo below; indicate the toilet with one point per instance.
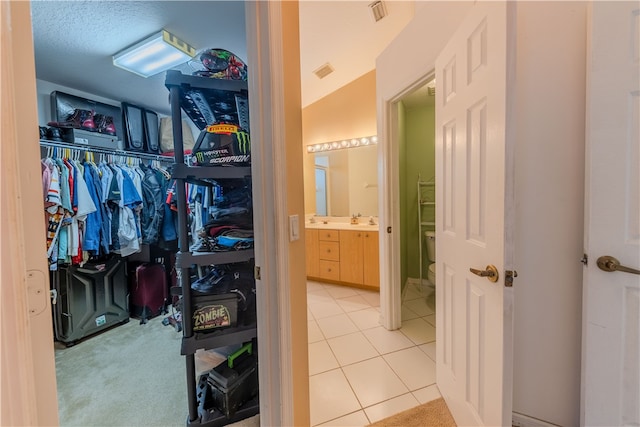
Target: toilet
{"x": 430, "y": 237}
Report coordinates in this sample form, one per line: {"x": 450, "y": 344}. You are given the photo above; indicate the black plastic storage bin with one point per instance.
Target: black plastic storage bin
{"x": 233, "y": 383}
{"x": 89, "y": 299}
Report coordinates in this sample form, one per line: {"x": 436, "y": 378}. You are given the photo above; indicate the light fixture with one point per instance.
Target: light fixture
{"x": 154, "y": 54}
{"x": 345, "y": 143}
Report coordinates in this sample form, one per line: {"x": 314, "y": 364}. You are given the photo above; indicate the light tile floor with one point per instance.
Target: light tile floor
{"x": 359, "y": 372}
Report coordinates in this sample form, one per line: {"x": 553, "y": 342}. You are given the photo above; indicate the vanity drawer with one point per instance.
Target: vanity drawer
{"x": 329, "y": 270}
{"x": 329, "y": 251}
{"x": 329, "y": 235}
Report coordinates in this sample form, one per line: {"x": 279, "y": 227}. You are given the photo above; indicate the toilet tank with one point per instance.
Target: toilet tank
{"x": 430, "y": 238}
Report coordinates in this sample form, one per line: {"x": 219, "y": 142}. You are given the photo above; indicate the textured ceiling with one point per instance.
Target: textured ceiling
{"x": 74, "y": 41}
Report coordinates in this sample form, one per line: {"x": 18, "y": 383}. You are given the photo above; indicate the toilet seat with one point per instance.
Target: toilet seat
{"x": 432, "y": 268}
{"x": 431, "y": 274}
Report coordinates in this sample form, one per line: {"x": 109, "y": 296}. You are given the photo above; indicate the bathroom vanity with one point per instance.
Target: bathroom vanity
{"x": 343, "y": 253}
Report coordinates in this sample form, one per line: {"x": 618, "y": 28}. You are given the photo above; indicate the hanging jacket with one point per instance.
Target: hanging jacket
{"x": 152, "y": 214}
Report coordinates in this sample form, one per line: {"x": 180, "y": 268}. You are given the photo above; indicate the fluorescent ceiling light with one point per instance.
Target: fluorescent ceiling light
{"x": 156, "y": 53}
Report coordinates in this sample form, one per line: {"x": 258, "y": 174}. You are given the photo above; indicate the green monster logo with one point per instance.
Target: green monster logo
{"x": 200, "y": 157}
{"x": 244, "y": 143}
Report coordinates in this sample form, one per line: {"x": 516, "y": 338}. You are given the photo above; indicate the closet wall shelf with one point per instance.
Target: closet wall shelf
{"x": 219, "y": 338}
{"x": 187, "y": 259}
{"x": 182, "y": 171}
{"x": 98, "y": 150}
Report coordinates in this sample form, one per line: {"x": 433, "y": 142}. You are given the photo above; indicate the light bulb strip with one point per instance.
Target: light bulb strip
{"x": 342, "y": 144}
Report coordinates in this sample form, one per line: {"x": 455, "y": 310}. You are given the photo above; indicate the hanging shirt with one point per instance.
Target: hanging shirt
{"x": 91, "y": 241}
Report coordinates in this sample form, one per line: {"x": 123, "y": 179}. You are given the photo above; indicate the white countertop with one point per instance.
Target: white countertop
{"x": 363, "y": 226}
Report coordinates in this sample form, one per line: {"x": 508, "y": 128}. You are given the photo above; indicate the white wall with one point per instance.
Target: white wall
{"x": 549, "y": 187}
{"x": 550, "y": 106}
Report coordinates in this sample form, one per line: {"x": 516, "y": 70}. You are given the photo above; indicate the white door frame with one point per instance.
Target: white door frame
{"x": 32, "y": 352}
{"x": 389, "y": 183}
{"x": 269, "y": 129}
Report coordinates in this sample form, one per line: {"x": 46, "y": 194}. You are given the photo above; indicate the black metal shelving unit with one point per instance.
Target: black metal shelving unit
{"x": 184, "y": 90}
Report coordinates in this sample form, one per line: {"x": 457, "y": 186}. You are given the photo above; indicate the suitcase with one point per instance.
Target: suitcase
{"x": 148, "y": 291}
{"x": 89, "y": 299}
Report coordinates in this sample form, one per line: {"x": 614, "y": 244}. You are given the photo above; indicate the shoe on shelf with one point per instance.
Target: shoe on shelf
{"x": 204, "y": 244}
{"x": 79, "y": 119}
{"x": 54, "y": 134}
{"x": 104, "y": 124}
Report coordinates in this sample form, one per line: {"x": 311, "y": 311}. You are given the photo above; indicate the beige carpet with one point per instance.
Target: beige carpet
{"x": 434, "y": 413}
{"x": 131, "y": 375}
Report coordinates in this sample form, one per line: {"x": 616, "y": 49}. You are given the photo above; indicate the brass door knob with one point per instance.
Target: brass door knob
{"x": 491, "y": 273}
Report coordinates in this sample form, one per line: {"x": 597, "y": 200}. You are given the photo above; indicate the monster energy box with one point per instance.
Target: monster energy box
{"x": 222, "y": 144}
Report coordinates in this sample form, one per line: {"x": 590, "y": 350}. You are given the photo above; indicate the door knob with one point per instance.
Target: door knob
{"x": 491, "y": 273}
{"x": 609, "y": 263}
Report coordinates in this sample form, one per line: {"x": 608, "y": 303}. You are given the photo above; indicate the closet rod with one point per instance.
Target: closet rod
{"x": 134, "y": 154}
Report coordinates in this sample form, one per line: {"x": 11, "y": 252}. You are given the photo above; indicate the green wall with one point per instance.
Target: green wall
{"x": 417, "y": 158}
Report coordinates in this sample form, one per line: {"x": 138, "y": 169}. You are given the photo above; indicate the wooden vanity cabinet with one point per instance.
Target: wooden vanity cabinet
{"x": 311, "y": 252}
{"x": 329, "y": 254}
{"x": 343, "y": 256}
{"x": 371, "y": 259}
{"x": 359, "y": 262}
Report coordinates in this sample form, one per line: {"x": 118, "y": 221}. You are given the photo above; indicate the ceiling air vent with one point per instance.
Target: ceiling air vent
{"x": 323, "y": 71}
{"x": 378, "y": 10}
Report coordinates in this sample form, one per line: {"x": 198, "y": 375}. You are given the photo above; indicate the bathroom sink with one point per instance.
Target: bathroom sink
{"x": 342, "y": 226}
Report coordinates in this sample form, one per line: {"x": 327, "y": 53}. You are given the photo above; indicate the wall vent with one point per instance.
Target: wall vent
{"x": 323, "y": 71}
{"x": 378, "y": 10}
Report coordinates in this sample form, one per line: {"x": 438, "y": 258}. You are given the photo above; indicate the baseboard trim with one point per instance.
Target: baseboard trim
{"x": 521, "y": 420}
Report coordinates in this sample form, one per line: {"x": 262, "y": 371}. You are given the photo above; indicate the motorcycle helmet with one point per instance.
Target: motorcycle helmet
{"x": 219, "y": 64}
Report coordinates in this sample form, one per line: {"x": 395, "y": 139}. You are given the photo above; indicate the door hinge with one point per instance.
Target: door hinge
{"x": 256, "y": 272}
{"x": 389, "y": 230}
{"x": 508, "y": 277}
{"x": 585, "y": 259}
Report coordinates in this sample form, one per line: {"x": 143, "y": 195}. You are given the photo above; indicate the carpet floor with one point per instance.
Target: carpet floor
{"x": 130, "y": 375}
{"x": 434, "y": 413}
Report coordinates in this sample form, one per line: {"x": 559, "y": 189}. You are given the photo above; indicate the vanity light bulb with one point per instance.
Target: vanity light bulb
{"x": 374, "y": 139}
{"x": 310, "y": 149}
{"x": 345, "y": 143}
{"x": 365, "y": 141}
{"x": 335, "y": 144}
{"x": 317, "y": 147}
{"x": 326, "y": 146}
{"x": 355, "y": 142}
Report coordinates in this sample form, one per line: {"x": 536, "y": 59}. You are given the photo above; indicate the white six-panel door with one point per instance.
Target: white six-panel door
{"x": 611, "y": 316}
{"x": 473, "y": 178}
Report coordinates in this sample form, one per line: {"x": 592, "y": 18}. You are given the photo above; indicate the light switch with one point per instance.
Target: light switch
{"x": 294, "y": 228}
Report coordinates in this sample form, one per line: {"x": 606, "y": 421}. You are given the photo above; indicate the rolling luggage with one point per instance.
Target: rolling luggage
{"x": 148, "y": 291}
{"x": 89, "y": 299}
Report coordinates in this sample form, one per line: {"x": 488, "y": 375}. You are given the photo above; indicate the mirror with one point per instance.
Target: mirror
{"x": 346, "y": 181}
